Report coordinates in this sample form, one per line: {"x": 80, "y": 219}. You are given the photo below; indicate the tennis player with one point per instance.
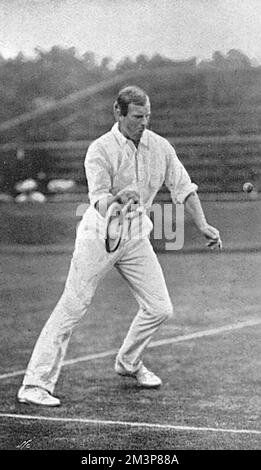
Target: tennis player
{"x": 128, "y": 162}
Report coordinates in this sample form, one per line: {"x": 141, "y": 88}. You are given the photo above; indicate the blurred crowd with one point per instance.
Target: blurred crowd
{"x": 26, "y": 178}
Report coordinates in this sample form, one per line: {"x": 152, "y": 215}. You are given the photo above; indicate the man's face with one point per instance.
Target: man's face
{"x": 135, "y": 122}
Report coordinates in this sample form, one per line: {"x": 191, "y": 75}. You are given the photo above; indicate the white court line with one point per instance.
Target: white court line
{"x": 68, "y": 362}
{"x": 154, "y": 344}
{"x": 99, "y": 422}
{"x": 209, "y": 332}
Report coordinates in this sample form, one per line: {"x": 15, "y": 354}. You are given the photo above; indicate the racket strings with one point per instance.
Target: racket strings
{"x": 118, "y": 223}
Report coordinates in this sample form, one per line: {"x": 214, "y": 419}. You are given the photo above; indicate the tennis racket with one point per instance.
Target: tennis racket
{"x": 115, "y": 224}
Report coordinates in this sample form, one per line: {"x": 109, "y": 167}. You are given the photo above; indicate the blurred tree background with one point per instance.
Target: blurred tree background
{"x": 220, "y": 97}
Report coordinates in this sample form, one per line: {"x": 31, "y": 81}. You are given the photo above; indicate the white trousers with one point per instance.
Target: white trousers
{"x": 139, "y": 266}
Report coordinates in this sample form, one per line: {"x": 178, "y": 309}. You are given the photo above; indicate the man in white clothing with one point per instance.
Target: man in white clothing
{"x": 129, "y": 161}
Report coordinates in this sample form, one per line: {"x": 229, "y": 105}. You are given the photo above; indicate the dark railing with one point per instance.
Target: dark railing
{"x": 215, "y": 163}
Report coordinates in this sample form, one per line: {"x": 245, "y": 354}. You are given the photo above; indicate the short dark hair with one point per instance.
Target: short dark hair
{"x": 130, "y": 94}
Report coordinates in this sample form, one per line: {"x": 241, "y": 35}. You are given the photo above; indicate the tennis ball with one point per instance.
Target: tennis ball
{"x": 247, "y": 187}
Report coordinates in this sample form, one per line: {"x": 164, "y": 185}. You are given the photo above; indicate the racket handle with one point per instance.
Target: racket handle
{"x": 127, "y": 206}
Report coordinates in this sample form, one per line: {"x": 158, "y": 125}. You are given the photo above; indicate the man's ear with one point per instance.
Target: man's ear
{"x": 116, "y": 111}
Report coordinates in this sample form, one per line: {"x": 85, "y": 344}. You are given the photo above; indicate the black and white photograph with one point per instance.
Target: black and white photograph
{"x": 130, "y": 222}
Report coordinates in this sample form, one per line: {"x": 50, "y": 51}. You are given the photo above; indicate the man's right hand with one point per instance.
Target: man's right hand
{"x": 124, "y": 196}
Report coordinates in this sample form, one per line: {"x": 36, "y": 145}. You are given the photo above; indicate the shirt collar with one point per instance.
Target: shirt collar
{"x": 122, "y": 140}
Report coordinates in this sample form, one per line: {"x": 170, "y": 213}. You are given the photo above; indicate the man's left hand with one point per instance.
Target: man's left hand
{"x": 213, "y": 237}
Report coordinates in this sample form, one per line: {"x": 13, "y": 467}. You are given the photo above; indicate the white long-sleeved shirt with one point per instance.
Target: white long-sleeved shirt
{"x": 113, "y": 164}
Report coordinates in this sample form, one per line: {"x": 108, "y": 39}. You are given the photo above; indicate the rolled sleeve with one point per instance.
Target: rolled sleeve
{"x": 177, "y": 178}
{"x": 97, "y": 169}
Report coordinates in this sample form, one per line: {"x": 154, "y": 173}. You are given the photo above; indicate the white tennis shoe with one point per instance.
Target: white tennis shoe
{"x": 145, "y": 378}
{"x": 36, "y": 396}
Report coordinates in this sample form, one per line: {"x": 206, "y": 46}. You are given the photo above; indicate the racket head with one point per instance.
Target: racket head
{"x": 114, "y": 212}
